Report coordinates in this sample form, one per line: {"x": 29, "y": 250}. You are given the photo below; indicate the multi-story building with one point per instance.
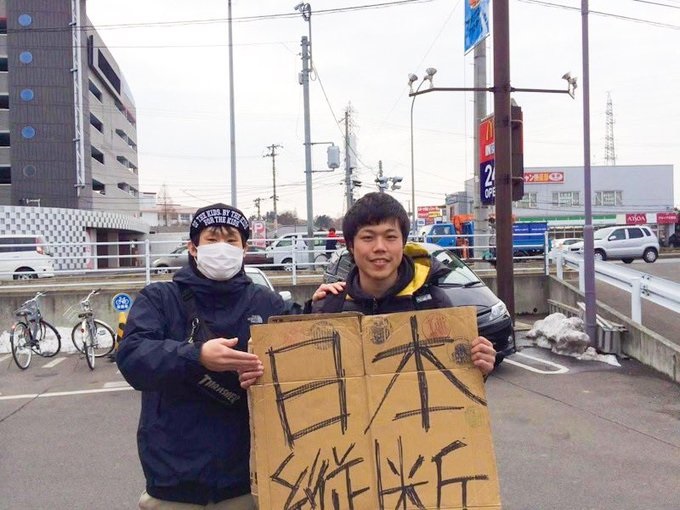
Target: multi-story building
{"x": 621, "y": 194}
{"x": 68, "y": 137}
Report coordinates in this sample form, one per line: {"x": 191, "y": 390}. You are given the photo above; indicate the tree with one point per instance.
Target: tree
{"x": 323, "y": 222}
{"x": 288, "y": 218}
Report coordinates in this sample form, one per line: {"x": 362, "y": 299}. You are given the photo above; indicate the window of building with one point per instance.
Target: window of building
{"x": 96, "y": 123}
{"x": 97, "y": 154}
{"x": 565, "y": 198}
{"x": 108, "y": 71}
{"x": 26, "y": 95}
{"x": 529, "y": 201}
{"x": 25, "y": 57}
{"x": 5, "y": 175}
{"x": 3, "y": 25}
{"x": 28, "y": 132}
{"x": 4, "y": 102}
{"x": 123, "y": 161}
{"x": 4, "y": 63}
{"x": 25, "y": 20}
{"x": 4, "y": 139}
{"x": 98, "y": 187}
{"x": 95, "y": 91}
{"x": 609, "y": 198}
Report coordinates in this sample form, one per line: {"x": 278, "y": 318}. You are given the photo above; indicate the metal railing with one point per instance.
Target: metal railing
{"x": 136, "y": 262}
{"x": 638, "y": 284}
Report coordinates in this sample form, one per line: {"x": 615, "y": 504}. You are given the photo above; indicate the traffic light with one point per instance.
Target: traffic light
{"x": 382, "y": 183}
{"x": 517, "y": 143}
{"x": 395, "y": 183}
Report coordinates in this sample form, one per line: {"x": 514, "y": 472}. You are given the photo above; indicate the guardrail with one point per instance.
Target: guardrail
{"x": 638, "y": 284}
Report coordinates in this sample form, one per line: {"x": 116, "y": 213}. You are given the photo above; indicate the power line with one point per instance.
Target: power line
{"x": 605, "y": 14}
{"x": 242, "y": 19}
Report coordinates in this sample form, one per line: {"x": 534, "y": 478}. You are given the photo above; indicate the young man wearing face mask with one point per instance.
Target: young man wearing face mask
{"x": 184, "y": 347}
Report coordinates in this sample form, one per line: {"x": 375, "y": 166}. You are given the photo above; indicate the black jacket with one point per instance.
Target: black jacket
{"x": 193, "y": 448}
{"x": 416, "y": 288}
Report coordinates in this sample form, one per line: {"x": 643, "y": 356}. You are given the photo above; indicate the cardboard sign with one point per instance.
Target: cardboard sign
{"x": 371, "y": 413}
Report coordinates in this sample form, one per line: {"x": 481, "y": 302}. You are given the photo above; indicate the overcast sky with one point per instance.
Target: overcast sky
{"x": 178, "y": 74}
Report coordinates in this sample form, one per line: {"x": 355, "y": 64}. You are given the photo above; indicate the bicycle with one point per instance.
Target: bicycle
{"x": 32, "y": 334}
{"x": 92, "y": 337}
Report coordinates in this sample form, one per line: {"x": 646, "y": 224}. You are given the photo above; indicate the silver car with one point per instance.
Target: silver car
{"x": 625, "y": 243}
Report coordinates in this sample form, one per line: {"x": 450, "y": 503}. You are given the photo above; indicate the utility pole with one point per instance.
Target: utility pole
{"x": 232, "y": 122}
{"x": 348, "y": 162}
{"x": 503, "y": 153}
{"x": 304, "y": 80}
{"x": 258, "y": 201}
{"x": 382, "y": 184}
{"x": 480, "y": 211}
{"x": 272, "y": 154}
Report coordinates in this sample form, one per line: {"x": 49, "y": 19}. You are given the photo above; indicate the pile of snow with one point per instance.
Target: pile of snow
{"x": 566, "y": 336}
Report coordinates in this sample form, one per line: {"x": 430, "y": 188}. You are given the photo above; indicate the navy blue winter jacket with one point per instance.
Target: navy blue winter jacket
{"x": 193, "y": 448}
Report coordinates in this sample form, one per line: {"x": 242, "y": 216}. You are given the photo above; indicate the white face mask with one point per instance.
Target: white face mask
{"x": 219, "y": 261}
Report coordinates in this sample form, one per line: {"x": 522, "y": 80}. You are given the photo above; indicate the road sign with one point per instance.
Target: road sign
{"x": 259, "y": 230}
{"x": 487, "y": 167}
{"x": 121, "y": 302}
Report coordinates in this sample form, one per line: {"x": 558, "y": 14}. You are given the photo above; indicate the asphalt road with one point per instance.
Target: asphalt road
{"x": 592, "y": 438}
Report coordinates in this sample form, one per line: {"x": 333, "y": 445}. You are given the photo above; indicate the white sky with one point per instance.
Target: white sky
{"x": 179, "y": 78}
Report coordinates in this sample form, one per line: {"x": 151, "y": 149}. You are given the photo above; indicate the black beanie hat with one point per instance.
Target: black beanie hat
{"x": 218, "y": 215}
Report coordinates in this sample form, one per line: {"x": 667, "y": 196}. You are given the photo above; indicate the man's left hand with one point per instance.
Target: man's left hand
{"x": 483, "y": 354}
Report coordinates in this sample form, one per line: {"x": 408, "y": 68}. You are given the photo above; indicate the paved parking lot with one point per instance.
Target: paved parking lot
{"x": 588, "y": 437}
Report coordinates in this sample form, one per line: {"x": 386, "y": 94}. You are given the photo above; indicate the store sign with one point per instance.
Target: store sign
{"x": 543, "y": 177}
{"x": 430, "y": 213}
{"x": 487, "y": 166}
{"x": 636, "y": 218}
{"x": 666, "y": 218}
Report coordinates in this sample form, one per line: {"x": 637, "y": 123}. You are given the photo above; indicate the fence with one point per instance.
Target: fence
{"x": 638, "y": 284}
{"x": 135, "y": 261}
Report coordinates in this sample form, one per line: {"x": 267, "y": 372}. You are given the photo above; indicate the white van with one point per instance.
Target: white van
{"x": 293, "y": 246}
{"x": 23, "y": 257}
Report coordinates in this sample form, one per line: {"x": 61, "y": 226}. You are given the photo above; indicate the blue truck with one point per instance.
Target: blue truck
{"x": 528, "y": 240}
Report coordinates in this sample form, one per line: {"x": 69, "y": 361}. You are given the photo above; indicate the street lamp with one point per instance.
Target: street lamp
{"x": 412, "y": 78}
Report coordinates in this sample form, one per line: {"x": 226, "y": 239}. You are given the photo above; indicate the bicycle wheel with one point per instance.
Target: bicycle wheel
{"x": 78, "y": 335}
{"x": 49, "y": 343}
{"x": 19, "y": 338}
{"x": 104, "y": 342}
{"x": 89, "y": 351}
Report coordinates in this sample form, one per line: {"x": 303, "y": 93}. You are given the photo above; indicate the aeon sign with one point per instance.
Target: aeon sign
{"x": 636, "y": 218}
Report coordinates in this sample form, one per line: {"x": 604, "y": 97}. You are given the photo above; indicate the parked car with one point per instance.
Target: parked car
{"x": 259, "y": 278}
{"x": 293, "y": 246}
{"x": 23, "y": 257}
{"x": 463, "y": 287}
{"x": 625, "y": 243}
{"x": 566, "y": 243}
{"x": 179, "y": 257}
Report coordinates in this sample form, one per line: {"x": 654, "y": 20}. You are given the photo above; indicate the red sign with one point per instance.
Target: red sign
{"x": 259, "y": 231}
{"x": 666, "y": 218}
{"x": 636, "y": 218}
{"x": 487, "y": 146}
{"x": 543, "y": 177}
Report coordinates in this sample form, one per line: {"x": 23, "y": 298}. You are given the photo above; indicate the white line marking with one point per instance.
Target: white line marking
{"x": 560, "y": 369}
{"x": 63, "y": 393}
{"x": 54, "y": 362}
{"x": 116, "y": 384}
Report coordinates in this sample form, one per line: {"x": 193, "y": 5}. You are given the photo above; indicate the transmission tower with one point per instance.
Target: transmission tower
{"x": 609, "y": 150}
